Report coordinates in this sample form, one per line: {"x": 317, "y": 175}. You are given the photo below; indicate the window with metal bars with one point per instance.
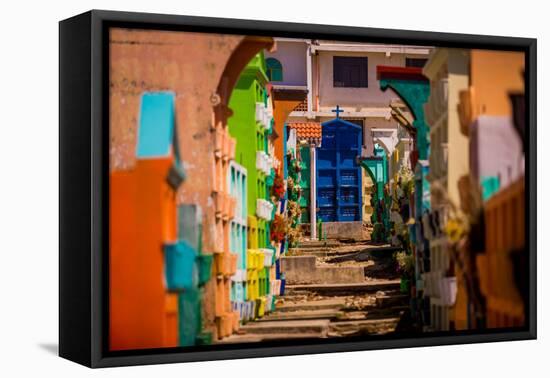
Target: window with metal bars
{"x": 350, "y": 72}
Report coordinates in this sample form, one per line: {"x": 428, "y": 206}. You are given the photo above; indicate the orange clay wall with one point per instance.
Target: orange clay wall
{"x": 494, "y": 74}
{"x": 142, "y": 313}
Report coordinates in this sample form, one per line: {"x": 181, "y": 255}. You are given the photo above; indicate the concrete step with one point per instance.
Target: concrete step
{"x": 344, "y": 289}
{"x": 392, "y": 300}
{"x": 373, "y": 314}
{"x": 366, "y": 252}
{"x": 336, "y": 252}
{"x": 358, "y": 327}
{"x": 345, "y": 251}
{"x": 323, "y": 304}
{"x": 303, "y": 315}
{"x": 309, "y": 328}
{"x": 238, "y": 339}
{"x": 355, "y": 241}
{"x": 318, "y": 252}
{"x": 318, "y": 244}
{"x": 304, "y": 270}
{"x": 353, "y": 323}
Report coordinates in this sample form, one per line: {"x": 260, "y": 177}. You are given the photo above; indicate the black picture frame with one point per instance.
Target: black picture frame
{"x": 84, "y": 185}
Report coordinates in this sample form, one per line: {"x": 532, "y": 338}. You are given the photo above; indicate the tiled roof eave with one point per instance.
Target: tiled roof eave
{"x": 307, "y": 130}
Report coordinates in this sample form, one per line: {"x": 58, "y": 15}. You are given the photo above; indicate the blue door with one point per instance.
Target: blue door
{"x": 339, "y": 193}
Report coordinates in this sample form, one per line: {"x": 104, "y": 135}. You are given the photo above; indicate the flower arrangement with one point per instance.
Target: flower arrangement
{"x": 290, "y": 183}
{"x": 294, "y": 232}
{"x": 294, "y": 211}
{"x": 405, "y": 266}
{"x": 278, "y": 188}
{"x": 279, "y": 228}
{"x": 294, "y": 235}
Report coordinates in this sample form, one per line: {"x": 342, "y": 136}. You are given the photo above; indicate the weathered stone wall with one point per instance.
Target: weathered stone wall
{"x": 343, "y": 230}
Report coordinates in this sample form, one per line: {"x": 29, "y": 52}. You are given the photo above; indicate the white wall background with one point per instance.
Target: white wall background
{"x": 29, "y": 187}
{"x": 292, "y": 56}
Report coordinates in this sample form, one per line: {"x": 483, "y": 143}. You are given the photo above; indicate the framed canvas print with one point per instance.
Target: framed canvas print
{"x": 234, "y": 188}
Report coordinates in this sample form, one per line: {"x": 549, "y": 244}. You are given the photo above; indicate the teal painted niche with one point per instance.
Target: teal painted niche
{"x": 181, "y": 270}
{"x": 274, "y": 69}
{"x": 186, "y": 270}
{"x": 377, "y": 169}
{"x": 190, "y": 321}
{"x": 156, "y": 124}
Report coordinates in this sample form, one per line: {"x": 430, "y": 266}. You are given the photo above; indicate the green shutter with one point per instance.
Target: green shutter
{"x": 274, "y": 69}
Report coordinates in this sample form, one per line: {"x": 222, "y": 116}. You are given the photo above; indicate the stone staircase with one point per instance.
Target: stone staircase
{"x": 306, "y": 317}
{"x": 329, "y": 293}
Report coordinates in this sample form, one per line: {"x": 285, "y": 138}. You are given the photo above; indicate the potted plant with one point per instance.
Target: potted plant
{"x": 405, "y": 266}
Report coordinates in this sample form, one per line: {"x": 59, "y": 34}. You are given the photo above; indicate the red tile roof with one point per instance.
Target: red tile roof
{"x": 307, "y": 129}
